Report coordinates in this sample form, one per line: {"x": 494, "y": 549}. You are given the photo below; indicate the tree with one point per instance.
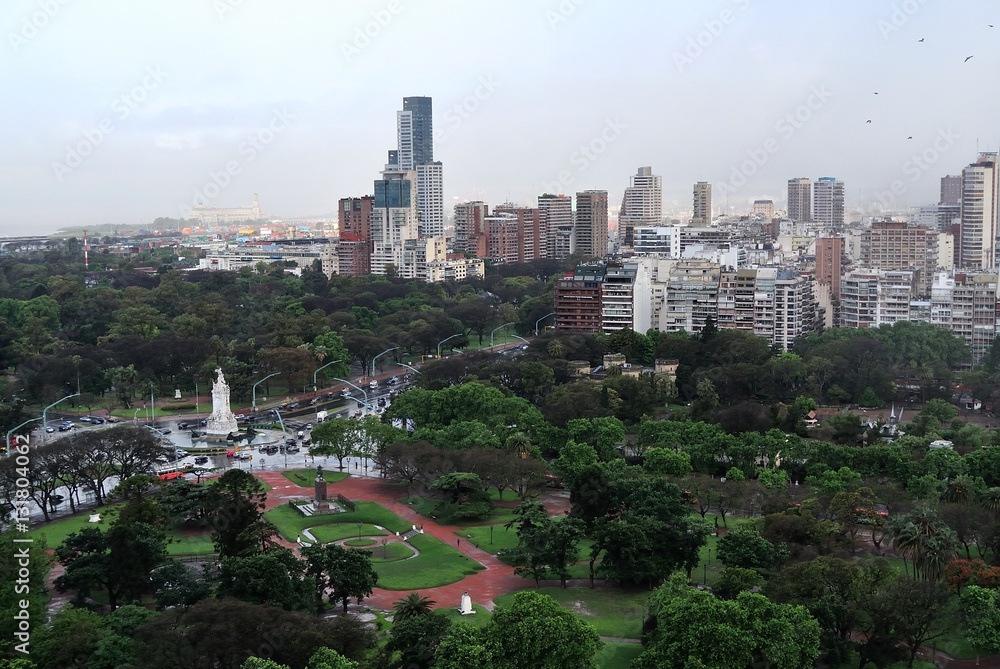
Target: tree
{"x": 276, "y": 578}
{"x": 337, "y": 437}
{"x": 416, "y": 638}
{"x": 734, "y": 580}
{"x": 745, "y": 547}
{"x": 15, "y": 558}
{"x": 535, "y": 631}
{"x": 573, "y": 459}
{"x": 412, "y": 605}
{"x": 980, "y": 610}
{"x": 465, "y": 496}
{"x": 344, "y": 572}
{"x": 69, "y": 640}
{"x": 666, "y": 462}
{"x": 463, "y": 647}
{"x": 235, "y": 513}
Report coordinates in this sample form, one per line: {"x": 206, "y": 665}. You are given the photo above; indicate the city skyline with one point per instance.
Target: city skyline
{"x": 281, "y": 102}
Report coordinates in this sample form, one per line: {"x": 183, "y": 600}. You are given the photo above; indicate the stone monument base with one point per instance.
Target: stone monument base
{"x": 312, "y": 509}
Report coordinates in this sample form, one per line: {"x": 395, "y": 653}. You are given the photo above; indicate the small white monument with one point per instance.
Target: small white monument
{"x": 94, "y": 518}
{"x": 466, "y": 608}
{"x": 222, "y": 422}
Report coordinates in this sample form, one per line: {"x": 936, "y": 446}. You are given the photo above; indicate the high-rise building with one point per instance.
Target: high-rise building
{"x": 430, "y": 199}
{"x": 556, "y": 213}
{"x": 470, "y": 231}
{"x": 828, "y": 201}
{"x": 415, "y": 152}
{"x": 394, "y": 218}
{"x": 591, "y": 229}
{"x": 642, "y": 204}
{"x": 980, "y": 213}
{"x": 800, "y": 199}
{"x": 354, "y": 216}
{"x": 532, "y": 233}
{"x": 702, "y": 204}
{"x": 764, "y": 209}
{"x": 502, "y": 238}
{"x": 421, "y": 144}
{"x": 577, "y": 301}
{"x": 626, "y": 297}
{"x": 951, "y": 189}
{"x": 829, "y": 252}
{"x": 894, "y": 245}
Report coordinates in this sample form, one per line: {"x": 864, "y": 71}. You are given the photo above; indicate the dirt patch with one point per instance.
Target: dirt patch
{"x": 579, "y": 608}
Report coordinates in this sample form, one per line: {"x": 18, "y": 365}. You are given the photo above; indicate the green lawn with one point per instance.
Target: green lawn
{"x": 450, "y": 610}
{"x": 617, "y": 655}
{"x": 307, "y": 477}
{"x": 328, "y": 533}
{"x": 392, "y": 552}
{"x": 438, "y": 564}
{"x": 363, "y": 542}
{"x": 480, "y": 536}
{"x": 290, "y": 522}
{"x": 612, "y": 611}
{"x": 198, "y": 544}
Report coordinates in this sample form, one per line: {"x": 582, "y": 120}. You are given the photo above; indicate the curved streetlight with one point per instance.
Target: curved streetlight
{"x": 361, "y": 390}
{"x": 15, "y": 429}
{"x": 253, "y": 391}
{"x": 505, "y": 325}
{"x": 542, "y": 319}
{"x": 388, "y": 350}
{"x": 284, "y": 435}
{"x": 446, "y": 339}
{"x": 321, "y": 369}
{"x": 521, "y": 338}
{"x": 45, "y": 411}
{"x": 173, "y": 446}
{"x": 412, "y": 369}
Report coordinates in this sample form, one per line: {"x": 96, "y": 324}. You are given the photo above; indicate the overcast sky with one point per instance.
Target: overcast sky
{"x": 121, "y": 112}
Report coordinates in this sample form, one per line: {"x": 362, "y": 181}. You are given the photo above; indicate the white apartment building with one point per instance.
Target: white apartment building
{"x": 626, "y": 298}
{"x": 642, "y": 204}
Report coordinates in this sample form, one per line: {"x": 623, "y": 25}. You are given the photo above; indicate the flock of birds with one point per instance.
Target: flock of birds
{"x": 967, "y": 59}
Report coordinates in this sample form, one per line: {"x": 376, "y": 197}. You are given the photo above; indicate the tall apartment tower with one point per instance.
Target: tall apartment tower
{"x": 702, "y": 204}
{"x": 556, "y": 212}
{"x": 470, "y": 230}
{"x": 354, "y": 217}
{"x": 764, "y": 209}
{"x": 951, "y": 189}
{"x": 591, "y": 230}
{"x": 980, "y": 217}
{"x": 800, "y": 199}
{"x": 415, "y": 152}
{"x": 642, "y": 204}
{"x": 828, "y": 201}
{"x": 829, "y": 253}
{"x": 394, "y": 218}
{"x": 531, "y": 230}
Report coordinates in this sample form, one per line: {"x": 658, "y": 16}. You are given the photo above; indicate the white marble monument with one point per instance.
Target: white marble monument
{"x": 222, "y": 422}
{"x": 466, "y": 608}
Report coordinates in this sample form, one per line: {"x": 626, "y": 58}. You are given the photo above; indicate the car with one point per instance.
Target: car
{"x": 65, "y": 428}
{"x": 293, "y": 405}
{"x": 373, "y": 385}
{"x": 114, "y": 419}
{"x": 84, "y": 419}
{"x": 165, "y": 430}
{"x": 201, "y": 459}
{"x": 50, "y": 430}
{"x": 96, "y": 421}
{"x": 345, "y": 393}
{"x": 184, "y": 425}
{"x": 309, "y": 426}
{"x": 291, "y": 449}
{"x": 180, "y": 452}
{"x": 290, "y": 440}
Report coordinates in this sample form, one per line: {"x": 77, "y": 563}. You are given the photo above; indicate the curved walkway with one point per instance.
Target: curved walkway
{"x": 496, "y": 579}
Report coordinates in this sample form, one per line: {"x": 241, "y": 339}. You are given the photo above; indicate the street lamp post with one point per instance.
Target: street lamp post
{"x": 284, "y": 435}
{"x": 542, "y": 319}
{"x": 15, "y": 429}
{"x": 360, "y": 390}
{"x": 496, "y": 330}
{"x": 412, "y": 369}
{"x": 45, "y": 411}
{"x": 321, "y": 369}
{"x": 521, "y": 338}
{"x": 446, "y": 339}
{"x": 388, "y": 350}
{"x": 164, "y": 438}
{"x": 253, "y": 391}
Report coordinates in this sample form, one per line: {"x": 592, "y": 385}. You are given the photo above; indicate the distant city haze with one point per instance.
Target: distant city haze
{"x": 119, "y": 113}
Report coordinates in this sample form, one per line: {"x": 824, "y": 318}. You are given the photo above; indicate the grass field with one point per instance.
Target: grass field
{"x": 480, "y": 537}
{"x": 307, "y": 477}
{"x": 612, "y": 611}
{"x": 450, "y": 611}
{"x": 617, "y": 655}
{"x": 290, "y": 522}
{"x": 327, "y": 533}
{"x": 438, "y": 564}
{"x": 363, "y": 542}
{"x": 197, "y": 544}
{"x": 426, "y": 506}
{"x": 391, "y": 552}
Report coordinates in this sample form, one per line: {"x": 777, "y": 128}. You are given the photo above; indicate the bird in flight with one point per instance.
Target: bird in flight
{"x": 876, "y": 92}
{"x": 921, "y": 39}
{"x": 910, "y": 137}
{"x": 967, "y": 59}
{"x": 868, "y": 121}
{"x": 990, "y": 25}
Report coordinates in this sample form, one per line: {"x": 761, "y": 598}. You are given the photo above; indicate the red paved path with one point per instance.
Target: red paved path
{"x": 483, "y": 586}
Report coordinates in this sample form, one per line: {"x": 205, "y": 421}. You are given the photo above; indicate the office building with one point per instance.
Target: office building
{"x": 702, "y": 204}
{"x": 951, "y": 189}
{"x": 658, "y": 240}
{"x": 394, "y": 218}
{"x": 642, "y": 204}
{"x": 829, "y": 255}
{"x": 764, "y": 209}
{"x": 828, "y": 202}
{"x": 800, "y": 200}
{"x": 591, "y": 229}
{"x": 980, "y": 213}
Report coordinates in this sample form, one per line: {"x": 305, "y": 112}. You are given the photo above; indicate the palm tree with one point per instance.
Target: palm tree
{"x": 411, "y": 606}
{"x": 960, "y": 490}
{"x": 906, "y": 540}
{"x": 519, "y": 444}
{"x": 991, "y": 499}
{"x": 555, "y": 349}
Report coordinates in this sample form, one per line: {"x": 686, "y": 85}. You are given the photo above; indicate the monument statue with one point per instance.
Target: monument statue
{"x": 466, "y": 607}
{"x": 222, "y": 422}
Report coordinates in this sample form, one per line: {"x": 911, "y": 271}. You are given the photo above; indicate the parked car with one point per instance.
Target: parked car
{"x": 96, "y": 421}
{"x": 291, "y": 448}
{"x": 180, "y": 452}
{"x": 201, "y": 459}
{"x": 50, "y": 429}
{"x": 114, "y": 419}
{"x": 84, "y": 419}
{"x": 65, "y": 428}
